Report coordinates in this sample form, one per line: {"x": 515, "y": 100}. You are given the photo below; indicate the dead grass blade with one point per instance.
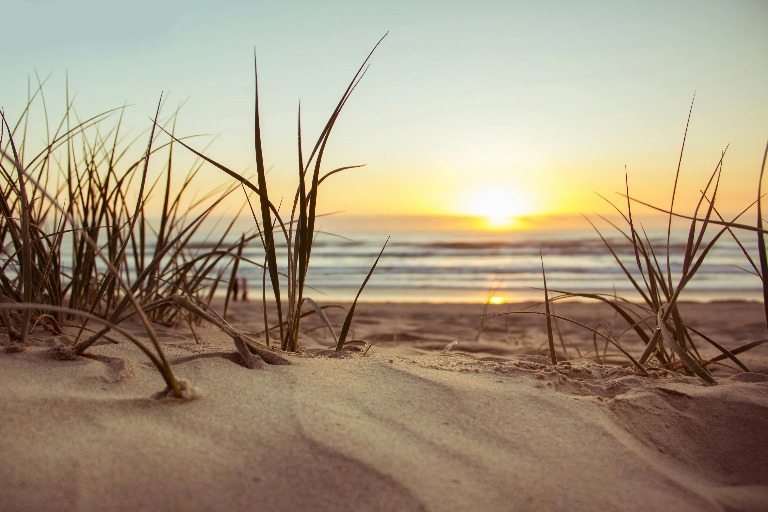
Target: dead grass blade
{"x": 351, "y": 313}
{"x": 550, "y": 335}
{"x": 761, "y": 236}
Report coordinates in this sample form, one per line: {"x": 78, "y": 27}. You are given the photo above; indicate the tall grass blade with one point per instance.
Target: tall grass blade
{"x": 674, "y": 192}
{"x": 351, "y": 313}
{"x": 139, "y": 210}
{"x": 266, "y": 219}
{"x": 761, "y": 237}
{"x": 25, "y": 235}
{"x": 550, "y": 335}
{"x": 231, "y": 291}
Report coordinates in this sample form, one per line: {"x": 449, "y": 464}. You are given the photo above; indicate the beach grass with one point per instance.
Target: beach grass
{"x": 83, "y": 190}
{"x": 670, "y": 342}
{"x": 296, "y": 228}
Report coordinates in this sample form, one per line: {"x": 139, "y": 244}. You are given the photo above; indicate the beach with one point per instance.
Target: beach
{"x": 416, "y": 423}
{"x": 382, "y": 256}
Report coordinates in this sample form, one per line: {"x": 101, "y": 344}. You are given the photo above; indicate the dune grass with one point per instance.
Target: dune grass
{"x": 82, "y": 192}
{"x": 78, "y": 245}
{"x": 296, "y": 229}
{"x": 670, "y": 342}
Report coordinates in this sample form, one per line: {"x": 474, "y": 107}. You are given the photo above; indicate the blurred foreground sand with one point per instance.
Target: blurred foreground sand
{"x": 489, "y": 425}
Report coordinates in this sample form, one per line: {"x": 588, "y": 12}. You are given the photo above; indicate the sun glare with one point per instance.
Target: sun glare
{"x": 499, "y": 209}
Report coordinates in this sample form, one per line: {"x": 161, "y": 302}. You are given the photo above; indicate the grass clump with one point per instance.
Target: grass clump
{"x": 77, "y": 244}
{"x": 670, "y": 342}
{"x": 78, "y": 247}
{"x": 296, "y": 229}
{"x": 86, "y": 208}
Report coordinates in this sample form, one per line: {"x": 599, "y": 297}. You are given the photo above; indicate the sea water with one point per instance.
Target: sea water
{"x": 475, "y": 266}
{"x": 463, "y": 266}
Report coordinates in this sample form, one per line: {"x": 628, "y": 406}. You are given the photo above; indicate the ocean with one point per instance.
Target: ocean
{"x": 474, "y": 266}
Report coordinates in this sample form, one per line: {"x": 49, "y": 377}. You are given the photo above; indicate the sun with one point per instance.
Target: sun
{"x": 498, "y": 208}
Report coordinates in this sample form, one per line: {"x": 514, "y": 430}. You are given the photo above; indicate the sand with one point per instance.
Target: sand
{"x": 489, "y": 425}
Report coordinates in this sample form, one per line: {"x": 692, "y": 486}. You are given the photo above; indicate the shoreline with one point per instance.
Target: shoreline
{"x": 423, "y": 328}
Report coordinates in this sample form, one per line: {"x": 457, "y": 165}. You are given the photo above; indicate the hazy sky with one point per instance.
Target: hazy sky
{"x": 543, "y": 103}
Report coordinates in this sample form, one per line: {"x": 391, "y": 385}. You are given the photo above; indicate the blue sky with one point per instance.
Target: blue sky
{"x": 546, "y": 101}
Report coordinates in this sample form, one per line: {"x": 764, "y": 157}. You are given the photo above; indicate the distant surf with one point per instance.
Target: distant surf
{"x": 470, "y": 267}
{"x": 441, "y": 266}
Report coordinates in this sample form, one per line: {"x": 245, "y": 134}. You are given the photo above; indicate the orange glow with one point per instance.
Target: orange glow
{"x": 497, "y": 300}
{"x": 499, "y": 209}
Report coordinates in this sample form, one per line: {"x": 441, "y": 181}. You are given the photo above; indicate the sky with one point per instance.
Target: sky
{"x": 495, "y": 108}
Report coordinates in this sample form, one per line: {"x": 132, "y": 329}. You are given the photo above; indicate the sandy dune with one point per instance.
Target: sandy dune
{"x": 490, "y": 425}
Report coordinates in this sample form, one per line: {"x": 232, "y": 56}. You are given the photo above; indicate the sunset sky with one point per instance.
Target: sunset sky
{"x": 485, "y": 107}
